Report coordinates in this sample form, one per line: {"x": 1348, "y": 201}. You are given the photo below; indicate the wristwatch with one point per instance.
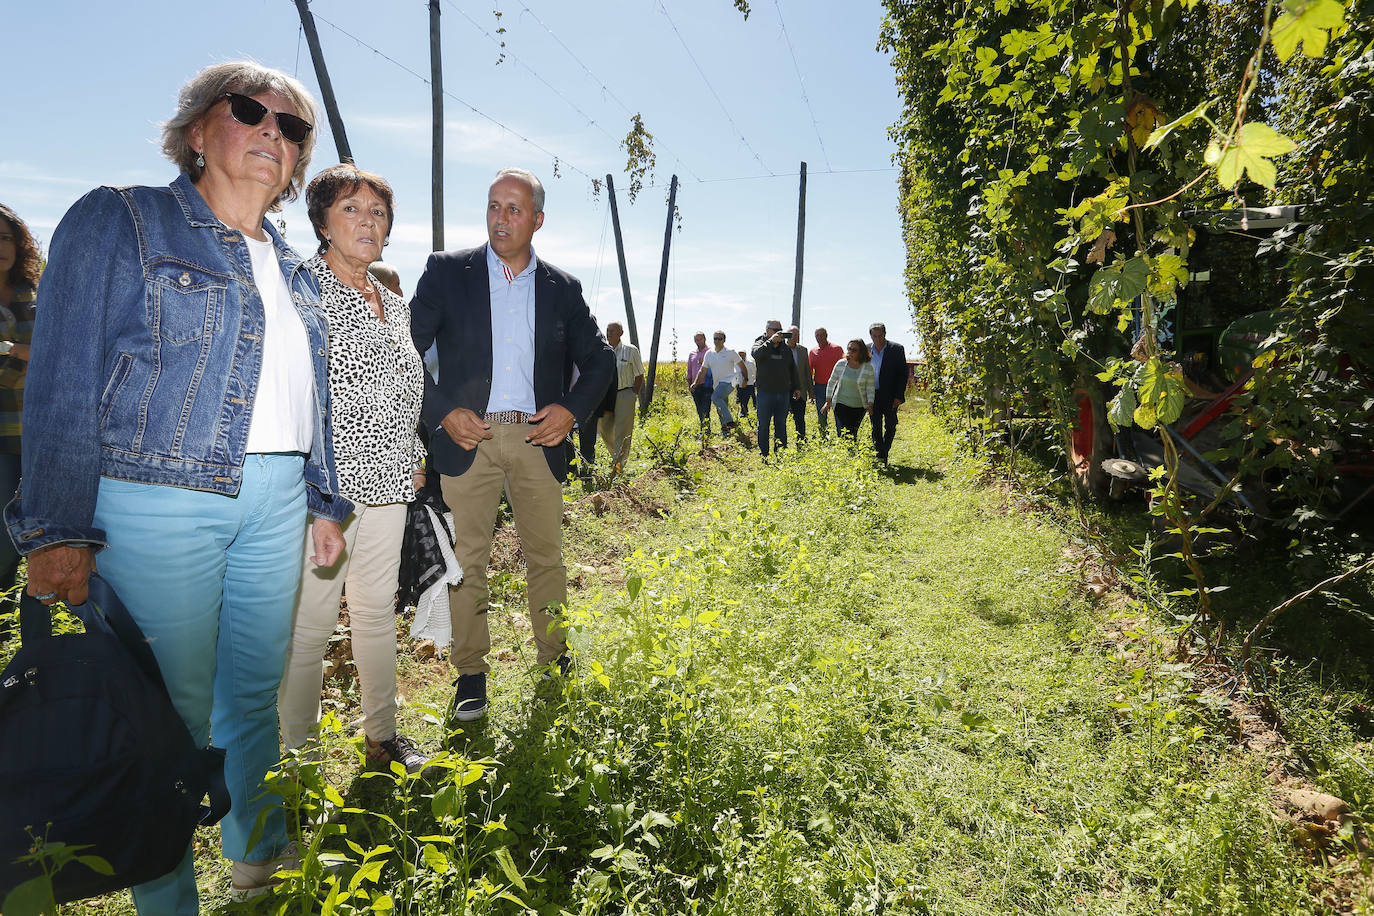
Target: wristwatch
{"x": 6, "y": 346}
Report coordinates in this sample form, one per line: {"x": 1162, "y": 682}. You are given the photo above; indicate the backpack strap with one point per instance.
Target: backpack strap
{"x": 103, "y": 602}
{"x": 212, "y": 764}
{"x": 35, "y": 620}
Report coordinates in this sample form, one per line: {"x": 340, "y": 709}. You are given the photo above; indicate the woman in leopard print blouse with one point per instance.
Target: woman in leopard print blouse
{"x": 376, "y": 385}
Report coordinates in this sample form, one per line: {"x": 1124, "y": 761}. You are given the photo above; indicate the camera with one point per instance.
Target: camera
{"x": 785, "y": 335}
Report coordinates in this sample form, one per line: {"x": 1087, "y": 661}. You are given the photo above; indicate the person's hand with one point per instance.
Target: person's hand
{"x": 328, "y": 539}
{"x": 20, "y": 351}
{"x": 417, "y": 479}
{"x": 551, "y": 425}
{"x": 465, "y": 428}
{"x": 61, "y": 573}
{"x": 896, "y": 402}
{"x": 826, "y": 407}
{"x": 796, "y": 395}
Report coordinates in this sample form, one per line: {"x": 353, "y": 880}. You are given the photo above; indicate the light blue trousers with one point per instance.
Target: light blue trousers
{"x": 211, "y": 581}
{"x": 721, "y": 398}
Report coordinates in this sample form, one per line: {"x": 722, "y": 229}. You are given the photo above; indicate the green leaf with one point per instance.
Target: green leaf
{"x": 1169, "y": 272}
{"x": 435, "y": 859}
{"x": 605, "y": 852}
{"x": 1119, "y": 282}
{"x": 96, "y": 864}
{"x": 1145, "y": 416}
{"x": 507, "y": 895}
{"x": 1307, "y": 22}
{"x": 508, "y": 867}
{"x": 1121, "y": 410}
{"x": 1135, "y": 273}
{"x": 1161, "y": 392}
{"x": 31, "y": 898}
{"x": 1250, "y": 153}
{"x": 633, "y": 585}
{"x": 1158, "y": 135}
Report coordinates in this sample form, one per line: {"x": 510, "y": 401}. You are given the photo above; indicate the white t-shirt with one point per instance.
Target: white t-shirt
{"x": 724, "y": 366}
{"x": 284, "y": 406}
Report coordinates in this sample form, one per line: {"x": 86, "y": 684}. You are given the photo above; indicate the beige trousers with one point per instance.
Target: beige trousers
{"x": 617, "y": 428}
{"x": 536, "y": 497}
{"x": 367, "y": 571}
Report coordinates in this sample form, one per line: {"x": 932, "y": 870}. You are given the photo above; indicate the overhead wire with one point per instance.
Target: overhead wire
{"x": 797, "y": 68}
{"x": 562, "y": 161}
{"x": 600, "y": 256}
{"x": 508, "y": 53}
{"x": 473, "y": 108}
{"x": 604, "y": 88}
{"x": 692, "y": 57}
{"x": 811, "y": 173}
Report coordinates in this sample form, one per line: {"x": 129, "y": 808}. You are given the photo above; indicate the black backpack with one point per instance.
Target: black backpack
{"x": 95, "y": 755}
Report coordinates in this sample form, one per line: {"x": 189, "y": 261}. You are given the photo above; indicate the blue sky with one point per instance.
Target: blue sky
{"x": 95, "y": 79}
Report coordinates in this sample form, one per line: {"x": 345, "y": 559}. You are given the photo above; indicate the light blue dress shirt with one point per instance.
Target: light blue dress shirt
{"x": 878, "y": 359}
{"x": 512, "y": 335}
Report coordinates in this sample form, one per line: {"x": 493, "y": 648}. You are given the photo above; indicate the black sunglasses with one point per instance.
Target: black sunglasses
{"x": 248, "y": 110}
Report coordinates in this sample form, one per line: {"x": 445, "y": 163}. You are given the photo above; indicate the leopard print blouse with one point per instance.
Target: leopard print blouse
{"x": 376, "y": 386}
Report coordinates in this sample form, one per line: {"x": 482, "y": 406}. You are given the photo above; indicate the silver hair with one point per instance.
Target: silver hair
{"x": 529, "y": 178}
{"x": 247, "y": 77}
{"x": 877, "y": 326}
{"x": 616, "y": 324}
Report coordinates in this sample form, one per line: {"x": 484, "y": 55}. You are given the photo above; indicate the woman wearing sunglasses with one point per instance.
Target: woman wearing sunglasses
{"x": 176, "y": 429}
{"x": 851, "y": 388}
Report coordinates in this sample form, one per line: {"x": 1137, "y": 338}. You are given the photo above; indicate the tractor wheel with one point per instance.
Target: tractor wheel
{"x": 1089, "y": 444}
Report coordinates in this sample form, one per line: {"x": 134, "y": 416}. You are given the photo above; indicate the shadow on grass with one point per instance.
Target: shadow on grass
{"x": 908, "y": 474}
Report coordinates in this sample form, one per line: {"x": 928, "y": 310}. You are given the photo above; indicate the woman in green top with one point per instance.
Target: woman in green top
{"x": 20, "y": 264}
{"x": 850, "y": 391}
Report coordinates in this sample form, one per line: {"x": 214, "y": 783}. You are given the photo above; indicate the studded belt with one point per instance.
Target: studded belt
{"x": 507, "y": 417}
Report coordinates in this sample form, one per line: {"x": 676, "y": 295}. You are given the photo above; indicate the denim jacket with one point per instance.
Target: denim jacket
{"x": 145, "y": 361}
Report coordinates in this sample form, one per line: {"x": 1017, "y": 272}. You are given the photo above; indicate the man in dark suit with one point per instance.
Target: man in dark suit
{"x": 889, "y": 377}
{"x": 506, "y": 327}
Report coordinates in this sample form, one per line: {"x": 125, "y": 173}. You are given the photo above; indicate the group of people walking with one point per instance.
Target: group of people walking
{"x": 784, "y": 376}
{"x": 231, "y": 432}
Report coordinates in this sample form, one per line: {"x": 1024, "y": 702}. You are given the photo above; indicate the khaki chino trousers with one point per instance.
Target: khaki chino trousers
{"x": 618, "y": 428}
{"x": 506, "y": 461}
{"x": 368, "y": 568}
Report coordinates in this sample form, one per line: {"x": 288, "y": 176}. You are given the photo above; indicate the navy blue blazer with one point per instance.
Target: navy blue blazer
{"x": 452, "y": 308}
{"x": 891, "y": 382}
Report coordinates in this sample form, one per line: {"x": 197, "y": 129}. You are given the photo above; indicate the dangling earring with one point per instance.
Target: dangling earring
{"x": 200, "y": 160}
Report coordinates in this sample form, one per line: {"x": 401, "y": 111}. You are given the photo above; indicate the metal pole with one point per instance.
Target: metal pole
{"x": 624, "y": 273}
{"x": 331, "y": 105}
{"x": 436, "y": 82}
{"x": 648, "y": 394}
{"x": 801, "y": 246}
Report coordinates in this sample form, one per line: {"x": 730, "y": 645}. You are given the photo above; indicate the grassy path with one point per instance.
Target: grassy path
{"x": 807, "y": 687}
{"x": 829, "y": 690}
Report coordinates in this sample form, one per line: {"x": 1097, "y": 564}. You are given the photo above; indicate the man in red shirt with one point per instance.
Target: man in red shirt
{"x": 823, "y": 359}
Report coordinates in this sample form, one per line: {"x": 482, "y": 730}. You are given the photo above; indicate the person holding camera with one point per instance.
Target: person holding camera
{"x": 778, "y": 383}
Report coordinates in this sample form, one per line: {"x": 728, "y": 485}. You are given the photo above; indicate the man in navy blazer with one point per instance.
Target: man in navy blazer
{"x": 889, "y": 380}
{"x": 506, "y": 328}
